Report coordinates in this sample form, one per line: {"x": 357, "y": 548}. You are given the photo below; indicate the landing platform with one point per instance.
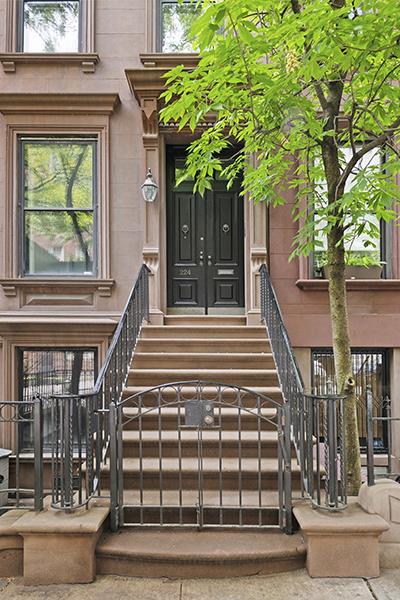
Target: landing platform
{"x": 190, "y": 553}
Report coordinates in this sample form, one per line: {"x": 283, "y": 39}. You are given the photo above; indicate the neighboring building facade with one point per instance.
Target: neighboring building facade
{"x": 79, "y": 88}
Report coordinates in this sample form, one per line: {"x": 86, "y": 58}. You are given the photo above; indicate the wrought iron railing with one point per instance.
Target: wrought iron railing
{"x": 372, "y": 421}
{"x": 80, "y": 422}
{"x": 206, "y": 461}
{"x": 15, "y": 494}
{"x": 316, "y": 422}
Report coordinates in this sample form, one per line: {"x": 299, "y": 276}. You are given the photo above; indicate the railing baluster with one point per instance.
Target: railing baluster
{"x": 299, "y": 410}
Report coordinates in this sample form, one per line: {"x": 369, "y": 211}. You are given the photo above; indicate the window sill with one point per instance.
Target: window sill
{"x": 57, "y": 285}
{"x": 168, "y": 60}
{"x": 87, "y": 61}
{"x": 351, "y": 284}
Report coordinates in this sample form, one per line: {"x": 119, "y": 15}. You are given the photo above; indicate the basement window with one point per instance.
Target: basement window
{"x": 48, "y": 371}
{"x": 371, "y": 372}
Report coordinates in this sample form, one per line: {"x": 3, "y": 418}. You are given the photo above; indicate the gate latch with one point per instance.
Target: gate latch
{"x": 199, "y": 413}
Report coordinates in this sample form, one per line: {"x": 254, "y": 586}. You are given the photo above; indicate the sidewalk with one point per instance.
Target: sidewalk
{"x": 286, "y": 586}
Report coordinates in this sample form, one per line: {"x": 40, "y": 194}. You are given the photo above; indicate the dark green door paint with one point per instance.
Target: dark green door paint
{"x": 204, "y": 241}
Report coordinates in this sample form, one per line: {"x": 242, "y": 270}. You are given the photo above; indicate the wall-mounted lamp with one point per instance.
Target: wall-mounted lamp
{"x": 149, "y": 188}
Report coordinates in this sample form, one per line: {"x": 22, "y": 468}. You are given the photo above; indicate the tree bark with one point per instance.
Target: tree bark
{"x": 338, "y": 298}
{"x": 342, "y": 357}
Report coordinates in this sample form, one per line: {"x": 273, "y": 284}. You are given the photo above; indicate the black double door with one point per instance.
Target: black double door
{"x": 205, "y": 243}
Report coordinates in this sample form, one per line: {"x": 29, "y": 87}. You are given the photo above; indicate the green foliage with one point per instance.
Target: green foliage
{"x": 286, "y": 81}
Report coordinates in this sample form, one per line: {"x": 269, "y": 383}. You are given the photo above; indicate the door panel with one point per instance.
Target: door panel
{"x": 204, "y": 242}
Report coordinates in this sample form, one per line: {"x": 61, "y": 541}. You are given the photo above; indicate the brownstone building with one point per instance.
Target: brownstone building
{"x": 79, "y": 127}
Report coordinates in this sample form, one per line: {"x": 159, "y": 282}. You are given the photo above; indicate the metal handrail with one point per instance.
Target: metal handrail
{"x": 80, "y": 422}
{"x": 316, "y": 422}
{"x": 13, "y": 494}
{"x": 389, "y": 419}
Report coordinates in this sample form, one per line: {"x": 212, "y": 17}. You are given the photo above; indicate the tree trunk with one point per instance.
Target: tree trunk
{"x": 342, "y": 356}
{"x": 338, "y": 296}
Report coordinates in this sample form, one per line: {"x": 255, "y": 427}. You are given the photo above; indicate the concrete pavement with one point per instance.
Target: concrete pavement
{"x": 295, "y": 585}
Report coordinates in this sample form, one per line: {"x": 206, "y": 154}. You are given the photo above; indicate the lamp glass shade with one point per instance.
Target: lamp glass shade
{"x": 149, "y": 188}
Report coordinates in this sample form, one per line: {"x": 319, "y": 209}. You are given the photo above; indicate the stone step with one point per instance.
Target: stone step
{"x": 178, "y": 553}
{"x": 170, "y": 473}
{"x": 223, "y": 508}
{"x": 241, "y": 377}
{"x": 214, "y": 320}
{"x": 184, "y": 442}
{"x": 203, "y": 345}
{"x": 204, "y": 331}
{"x": 171, "y": 418}
{"x": 195, "y": 360}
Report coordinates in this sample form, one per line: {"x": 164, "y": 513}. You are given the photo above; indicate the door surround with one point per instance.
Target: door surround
{"x": 205, "y": 244}
{"x": 147, "y": 83}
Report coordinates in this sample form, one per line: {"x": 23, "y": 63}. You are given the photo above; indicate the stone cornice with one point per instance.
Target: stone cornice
{"x": 17, "y": 103}
{"x": 86, "y": 60}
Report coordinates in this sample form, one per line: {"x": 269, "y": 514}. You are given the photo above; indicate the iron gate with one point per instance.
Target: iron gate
{"x": 202, "y": 454}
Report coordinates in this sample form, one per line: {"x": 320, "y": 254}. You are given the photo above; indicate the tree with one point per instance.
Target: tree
{"x": 309, "y": 89}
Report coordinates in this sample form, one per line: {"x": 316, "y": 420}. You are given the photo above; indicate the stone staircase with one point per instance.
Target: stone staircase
{"x": 240, "y": 453}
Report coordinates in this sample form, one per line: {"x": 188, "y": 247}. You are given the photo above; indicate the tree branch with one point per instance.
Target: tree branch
{"x": 376, "y": 143}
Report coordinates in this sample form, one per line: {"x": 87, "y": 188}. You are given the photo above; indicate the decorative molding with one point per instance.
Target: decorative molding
{"x": 169, "y": 60}
{"x": 148, "y": 83}
{"x": 40, "y": 299}
{"x": 53, "y": 292}
{"x": 97, "y": 125}
{"x": 151, "y": 258}
{"x": 362, "y": 285}
{"x": 60, "y": 104}
{"x": 87, "y": 61}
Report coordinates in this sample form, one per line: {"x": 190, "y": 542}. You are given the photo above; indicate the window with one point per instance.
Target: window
{"x": 52, "y": 371}
{"x": 359, "y": 248}
{"x": 49, "y": 26}
{"x": 371, "y": 371}
{"x": 57, "y": 206}
{"x": 174, "y": 22}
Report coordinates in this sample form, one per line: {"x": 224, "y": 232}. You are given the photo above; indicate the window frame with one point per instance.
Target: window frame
{"x": 385, "y": 244}
{"x": 21, "y": 209}
{"x": 159, "y": 25}
{"x": 20, "y": 21}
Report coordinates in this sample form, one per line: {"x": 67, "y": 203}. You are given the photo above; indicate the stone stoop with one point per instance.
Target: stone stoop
{"x": 11, "y": 545}
{"x": 51, "y": 546}
{"x": 190, "y": 553}
{"x": 383, "y": 499}
{"x": 341, "y": 544}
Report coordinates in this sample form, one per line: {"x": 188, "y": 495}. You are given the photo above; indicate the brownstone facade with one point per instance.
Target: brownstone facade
{"x": 108, "y": 91}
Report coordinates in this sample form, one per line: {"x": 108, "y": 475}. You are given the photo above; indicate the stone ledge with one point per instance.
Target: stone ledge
{"x": 57, "y": 521}
{"x": 334, "y": 541}
{"x": 86, "y": 60}
{"x": 64, "y": 543}
{"x": 383, "y": 499}
{"x": 11, "y": 545}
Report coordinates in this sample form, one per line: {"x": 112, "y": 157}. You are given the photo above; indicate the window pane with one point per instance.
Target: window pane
{"x": 176, "y": 22}
{"x": 51, "y": 26}
{"x": 48, "y": 372}
{"x": 59, "y": 242}
{"x": 58, "y": 174}
{"x": 356, "y": 246}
